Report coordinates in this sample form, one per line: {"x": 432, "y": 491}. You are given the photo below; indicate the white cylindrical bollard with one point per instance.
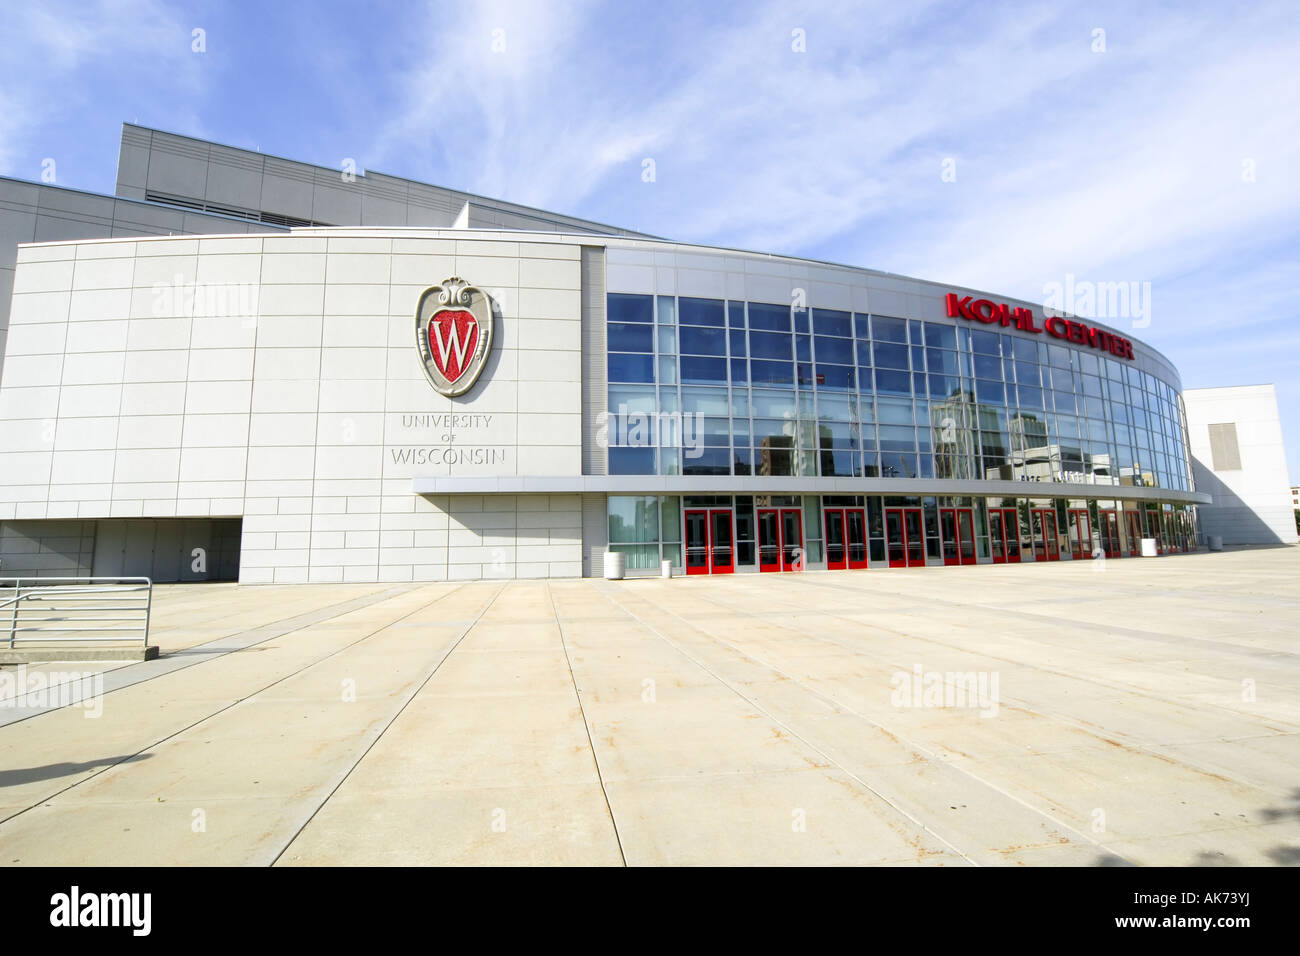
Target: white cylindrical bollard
{"x": 1215, "y": 542}
{"x": 615, "y": 565}
{"x": 1148, "y": 547}
{"x": 665, "y": 569}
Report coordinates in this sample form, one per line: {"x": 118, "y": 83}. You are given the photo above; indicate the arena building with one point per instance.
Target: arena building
{"x": 243, "y": 367}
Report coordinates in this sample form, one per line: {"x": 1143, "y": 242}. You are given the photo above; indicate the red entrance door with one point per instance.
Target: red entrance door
{"x": 780, "y": 539}
{"x": 904, "y": 537}
{"x": 1043, "y": 525}
{"x": 709, "y": 537}
{"x": 1109, "y": 533}
{"x": 957, "y": 534}
{"x": 1080, "y": 533}
{"x": 1004, "y": 535}
{"x": 1134, "y": 528}
{"x": 846, "y": 538}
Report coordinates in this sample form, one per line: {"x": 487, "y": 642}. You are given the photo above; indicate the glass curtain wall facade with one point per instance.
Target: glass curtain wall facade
{"x": 707, "y": 387}
{"x": 713, "y": 387}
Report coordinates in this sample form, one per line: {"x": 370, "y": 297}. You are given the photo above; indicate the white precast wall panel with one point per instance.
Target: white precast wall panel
{"x": 308, "y": 411}
{"x": 1252, "y": 502}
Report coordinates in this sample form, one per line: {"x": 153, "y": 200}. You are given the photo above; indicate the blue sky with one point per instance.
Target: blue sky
{"x": 1170, "y": 157}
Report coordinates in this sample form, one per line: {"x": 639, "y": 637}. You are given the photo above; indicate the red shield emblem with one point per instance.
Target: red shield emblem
{"x": 453, "y": 331}
{"x": 453, "y": 335}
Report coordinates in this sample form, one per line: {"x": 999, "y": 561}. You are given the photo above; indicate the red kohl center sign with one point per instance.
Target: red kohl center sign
{"x": 1071, "y": 330}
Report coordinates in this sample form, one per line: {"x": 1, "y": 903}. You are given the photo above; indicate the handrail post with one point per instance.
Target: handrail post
{"x": 148, "y": 605}
{"x": 13, "y": 614}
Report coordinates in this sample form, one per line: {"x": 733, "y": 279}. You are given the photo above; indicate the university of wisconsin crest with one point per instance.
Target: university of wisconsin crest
{"x": 453, "y": 329}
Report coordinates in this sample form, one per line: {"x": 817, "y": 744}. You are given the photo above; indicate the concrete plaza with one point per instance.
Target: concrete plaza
{"x": 1130, "y": 711}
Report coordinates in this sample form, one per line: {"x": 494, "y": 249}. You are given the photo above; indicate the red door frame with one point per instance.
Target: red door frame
{"x": 1051, "y": 543}
{"x": 710, "y": 515}
{"x": 783, "y": 560}
{"x": 1133, "y": 527}
{"x": 847, "y": 541}
{"x": 1077, "y": 544}
{"x": 960, "y": 536}
{"x": 902, "y": 515}
{"x": 1109, "y": 533}
{"x": 851, "y": 541}
{"x": 1008, "y": 519}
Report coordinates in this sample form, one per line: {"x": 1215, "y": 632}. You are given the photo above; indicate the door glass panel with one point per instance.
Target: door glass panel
{"x": 721, "y": 539}
{"x": 857, "y": 535}
{"x": 966, "y": 533}
{"x": 792, "y": 539}
{"x": 697, "y": 542}
{"x": 834, "y": 538}
{"x": 948, "y": 528}
{"x": 894, "y": 537}
{"x": 915, "y": 538}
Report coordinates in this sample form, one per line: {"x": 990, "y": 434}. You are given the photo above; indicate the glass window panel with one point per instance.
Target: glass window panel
{"x": 630, "y": 337}
{"x": 706, "y": 461}
{"x": 715, "y": 431}
{"x": 739, "y": 371}
{"x": 944, "y": 386}
{"x": 668, "y": 369}
{"x": 631, "y": 400}
{"x": 940, "y": 336}
{"x": 839, "y": 351}
{"x": 771, "y": 318}
{"x": 986, "y": 366}
{"x": 990, "y": 393}
{"x": 772, "y": 404}
{"x": 774, "y": 459}
{"x": 703, "y": 340}
{"x": 773, "y": 431}
{"x": 736, "y": 315}
{"x": 831, "y": 322}
{"x": 833, "y": 408}
{"x": 889, "y": 356}
{"x": 892, "y": 412}
{"x": 1024, "y": 350}
{"x": 633, "y": 518}
{"x": 667, "y": 307}
{"x": 943, "y": 362}
{"x": 897, "y": 465}
{"x": 700, "y": 312}
{"x": 667, "y": 338}
{"x": 670, "y": 519}
{"x": 861, "y": 326}
{"x": 884, "y": 329}
{"x": 801, "y": 323}
{"x": 667, "y": 400}
{"x": 767, "y": 345}
{"x": 772, "y": 373}
{"x": 889, "y": 382}
{"x": 1058, "y": 356}
{"x": 839, "y": 377}
{"x": 803, "y": 348}
{"x": 623, "y": 367}
{"x": 737, "y": 343}
{"x": 697, "y": 370}
{"x": 985, "y": 343}
{"x": 631, "y": 461}
{"x": 629, "y": 308}
{"x": 704, "y": 401}
{"x": 1030, "y": 397}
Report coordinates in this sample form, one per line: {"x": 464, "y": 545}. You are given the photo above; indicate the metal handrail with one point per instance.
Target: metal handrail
{"x": 33, "y": 602}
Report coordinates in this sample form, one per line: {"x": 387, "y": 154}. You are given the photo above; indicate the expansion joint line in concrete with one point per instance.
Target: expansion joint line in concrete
{"x": 376, "y": 734}
{"x": 586, "y": 723}
{"x": 928, "y": 754}
{"x": 144, "y": 671}
{"x": 221, "y": 710}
